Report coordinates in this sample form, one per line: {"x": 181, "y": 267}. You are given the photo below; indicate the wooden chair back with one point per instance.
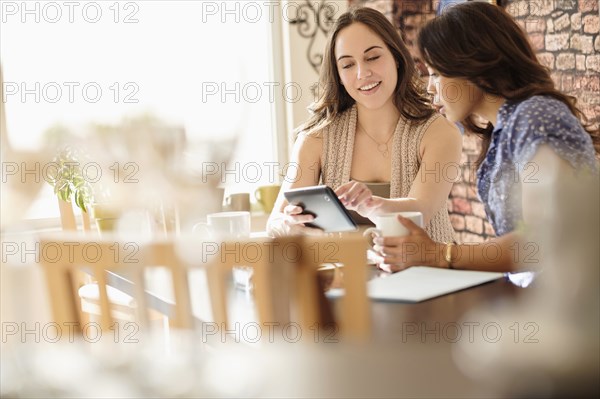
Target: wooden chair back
{"x": 287, "y": 286}
{"x": 63, "y": 256}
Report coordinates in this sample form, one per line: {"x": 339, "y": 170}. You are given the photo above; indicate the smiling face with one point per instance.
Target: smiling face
{"x": 456, "y": 98}
{"x": 366, "y": 67}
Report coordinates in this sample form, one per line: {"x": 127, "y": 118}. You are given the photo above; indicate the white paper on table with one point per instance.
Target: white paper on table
{"x": 420, "y": 283}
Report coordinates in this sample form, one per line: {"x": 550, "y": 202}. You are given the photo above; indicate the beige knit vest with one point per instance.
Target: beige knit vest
{"x": 338, "y": 146}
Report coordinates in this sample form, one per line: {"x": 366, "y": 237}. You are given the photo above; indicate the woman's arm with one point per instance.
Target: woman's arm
{"x": 304, "y": 171}
{"x": 510, "y": 252}
{"x": 417, "y": 249}
{"x": 440, "y": 151}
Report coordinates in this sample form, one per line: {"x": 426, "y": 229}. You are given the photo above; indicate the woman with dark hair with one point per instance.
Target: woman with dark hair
{"x": 482, "y": 67}
{"x": 372, "y": 128}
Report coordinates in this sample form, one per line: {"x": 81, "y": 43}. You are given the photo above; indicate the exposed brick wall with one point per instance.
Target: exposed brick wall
{"x": 467, "y": 213}
{"x": 565, "y": 36}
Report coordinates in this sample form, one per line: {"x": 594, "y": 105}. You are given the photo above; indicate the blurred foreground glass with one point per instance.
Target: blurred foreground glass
{"x": 222, "y": 227}
{"x": 550, "y": 345}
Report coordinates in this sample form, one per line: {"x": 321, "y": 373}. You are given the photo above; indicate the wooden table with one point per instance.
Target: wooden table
{"x": 391, "y": 321}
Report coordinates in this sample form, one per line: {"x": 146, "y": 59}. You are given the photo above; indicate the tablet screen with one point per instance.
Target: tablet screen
{"x": 321, "y": 202}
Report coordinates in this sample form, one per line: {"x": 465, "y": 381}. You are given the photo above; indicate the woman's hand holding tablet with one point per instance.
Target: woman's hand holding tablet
{"x": 321, "y": 202}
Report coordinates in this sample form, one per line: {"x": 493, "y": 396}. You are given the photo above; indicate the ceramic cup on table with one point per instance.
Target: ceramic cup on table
{"x": 266, "y": 196}
{"x": 225, "y": 225}
{"x": 388, "y": 225}
{"x": 230, "y": 226}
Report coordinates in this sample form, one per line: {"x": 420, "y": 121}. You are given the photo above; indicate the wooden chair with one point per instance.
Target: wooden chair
{"x": 123, "y": 304}
{"x": 64, "y": 255}
{"x": 286, "y": 281}
{"x": 287, "y": 286}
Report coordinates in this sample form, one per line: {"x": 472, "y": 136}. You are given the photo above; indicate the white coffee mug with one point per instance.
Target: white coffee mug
{"x": 226, "y": 225}
{"x": 388, "y": 225}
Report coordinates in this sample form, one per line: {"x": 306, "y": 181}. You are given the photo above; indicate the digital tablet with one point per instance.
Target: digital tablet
{"x": 321, "y": 202}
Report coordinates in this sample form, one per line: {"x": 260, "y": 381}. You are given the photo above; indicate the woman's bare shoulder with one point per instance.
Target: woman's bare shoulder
{"x": 441, "y": 129}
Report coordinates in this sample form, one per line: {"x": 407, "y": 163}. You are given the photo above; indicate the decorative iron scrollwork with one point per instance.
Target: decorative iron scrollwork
{"x": 312, "y": 17}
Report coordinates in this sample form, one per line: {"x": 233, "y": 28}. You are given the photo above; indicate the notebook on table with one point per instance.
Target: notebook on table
{"x": 420, "y": 283}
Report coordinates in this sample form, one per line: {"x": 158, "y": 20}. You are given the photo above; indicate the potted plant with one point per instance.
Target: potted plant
{"x": 72, "y": 186}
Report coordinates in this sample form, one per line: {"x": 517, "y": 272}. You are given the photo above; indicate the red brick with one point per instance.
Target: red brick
{"x": 556, "y": 78}
{"x": 541, "y": 7}
{"x": 565, "y": 61}
{"x": 566, "y": 82}
{"x": 537, "y": 41}
{"x": 461, "y": 205}
{"x": 549, "y": 26}
{"x": 576, "y": 21}
{"x": 546, "y": 59}
{"x": 582, "y": 43}
{"x": 488, "y": 229}
{"x": 474, "y": 224}
{"x": 472, "y": 193}
{"x": 518, "y": 8}
{"x": 589, "y": 97}
{"x": 580, "y": 62}
{"x": 557, "y": 41}
{"x": 470, "y": 238}
{"x": 459, "y": 190}
{"x": 590, "y": 24}
{"x": 588, "y": 83}
{"x": 593, "y": 62}
{"x": 458, "y": 222}
{"x": 567, "y": 5}
{"x": 535, "y": 25}
{"x": 592, "y": 112}
{"x": 562, "y": 23}
{"x": 478, "y": 209}
{"x": 588, "y": 5}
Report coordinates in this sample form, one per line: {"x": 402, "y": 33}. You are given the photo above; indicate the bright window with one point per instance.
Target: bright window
{"x": 202, "y": 64}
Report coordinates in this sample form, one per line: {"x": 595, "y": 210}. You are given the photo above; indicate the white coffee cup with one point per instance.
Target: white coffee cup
{"x": 388, "y": 225}
{"x": 226, "y": 225}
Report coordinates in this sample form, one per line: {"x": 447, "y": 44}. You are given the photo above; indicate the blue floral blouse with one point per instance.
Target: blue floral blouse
{"x": 520, "y": 129}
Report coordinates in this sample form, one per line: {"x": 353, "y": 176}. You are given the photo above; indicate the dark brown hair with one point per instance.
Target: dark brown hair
{"x": 333, "y": 99}
{"x": 482, "y": 43}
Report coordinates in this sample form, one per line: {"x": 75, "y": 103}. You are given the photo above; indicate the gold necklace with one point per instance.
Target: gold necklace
{"x": 381, "y": 147}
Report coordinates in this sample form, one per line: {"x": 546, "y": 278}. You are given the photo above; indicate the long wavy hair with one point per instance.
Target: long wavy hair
{"x": 482, "y": 43}
{"x": 333, "y": 99}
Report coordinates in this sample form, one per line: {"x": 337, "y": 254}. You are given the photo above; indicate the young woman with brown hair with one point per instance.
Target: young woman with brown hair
{"x": 372, "y": 126}
{"x": 482, "y": 66}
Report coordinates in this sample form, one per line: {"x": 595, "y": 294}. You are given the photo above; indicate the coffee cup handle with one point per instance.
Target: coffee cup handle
{"x": 370, "y": 231}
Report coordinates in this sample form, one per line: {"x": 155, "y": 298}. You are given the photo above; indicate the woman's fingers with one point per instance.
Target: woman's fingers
{"x": 354, "y": 193}
{"x": 412, "y": 227}
{"x": 292, "y": 209}
{"x": 301, "y": 229}
{"x": 343, "y": 189}
{"x": 294, "y": 215}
